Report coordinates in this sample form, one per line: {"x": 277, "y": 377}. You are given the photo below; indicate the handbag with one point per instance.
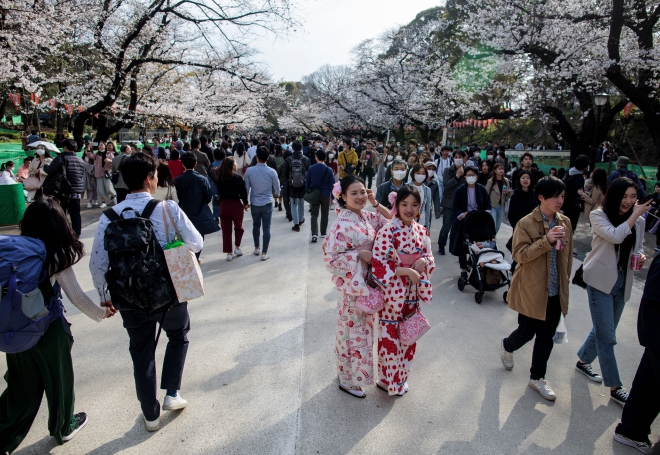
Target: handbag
{"x": 312, "y": 196}
{"x": 578, "y": 278}
{"x": 376, "y": 299}
{"x": 32, "y": 183}
{"x": 182, "y": 264}
{"x": 413, "y": 325}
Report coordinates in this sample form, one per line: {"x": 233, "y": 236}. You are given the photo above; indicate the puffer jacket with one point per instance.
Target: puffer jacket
{"x": 75, "y": 170}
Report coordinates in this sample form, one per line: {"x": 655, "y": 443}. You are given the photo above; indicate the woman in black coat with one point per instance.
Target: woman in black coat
{"x": 468, "y": 197}
{"x": 523, "y": 202}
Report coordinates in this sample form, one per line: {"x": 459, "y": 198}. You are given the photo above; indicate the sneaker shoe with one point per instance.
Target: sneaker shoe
{"x": 303, "y": 221}
{"x": 441, "y": 250}
{"x": 587, "y": 370}
{"x": 296, "y": 228}
{"x": 265, "y": 257}
{"x": 324, "y": 236}
{"x": 238, "y": 252}
{"x": 257, "y": 251}
{"x": 279, "y": 209}
{"x": 642, "y": 446}
{"x": 619, "y": 395}
{"x": 543, "y": 388}
{"x": 81, "y": 421}
{"x": 230, "y": 256}
{"x": 507, "y": 357}
{"x": 173, "y": 403}
{"x": 103, "y": 205}
{"x": 152, "y": 425}
{"x": 89, "y": 205}
{"x": 314, "y": 239}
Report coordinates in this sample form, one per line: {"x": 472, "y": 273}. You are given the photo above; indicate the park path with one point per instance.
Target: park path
{"x": 260, "y": 373}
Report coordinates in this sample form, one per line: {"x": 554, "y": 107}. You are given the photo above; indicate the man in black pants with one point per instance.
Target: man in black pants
{"x": 643, "y": 403}
{"x": 320, "y": 177}
{"x": 573, "y": 204}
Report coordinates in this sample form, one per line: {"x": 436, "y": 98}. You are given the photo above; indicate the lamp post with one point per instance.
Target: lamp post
{"x": 444, "y": 133}
{"x": 600, "y": 100}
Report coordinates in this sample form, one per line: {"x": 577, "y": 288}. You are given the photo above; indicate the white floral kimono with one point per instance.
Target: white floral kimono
{"x": 350, "y": 234}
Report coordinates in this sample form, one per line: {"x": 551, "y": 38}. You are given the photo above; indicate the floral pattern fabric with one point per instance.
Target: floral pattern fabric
{"x": 350, "y": 234}
{"x": 394, "y": 239}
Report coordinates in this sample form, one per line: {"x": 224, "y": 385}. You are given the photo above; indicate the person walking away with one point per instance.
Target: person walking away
{"x": 539, "y": 288}
{"x": 241, "y": 159}
{"x": 394, "y": 184}
{"x": 74, "y": 169}
{"x": 618, "y": 236}
{"x": 347, "y": 259}
{"x": 295, "y": 169}
{"x": 218, "y": 156}
{"x": 622, "y": 164}
{"x": 593, "y": 199}
{"x": 120, "y": 186}
{"x": 159, "y": 152}
{"x": 454, "y": 176}
{"x": 203, "y": 161}
{"x": 498, "y": 188}
{"x": 261, "y": 183}
{"x": 643, "y": 403}
{"x": 369, "y": 160}
{"x": 320, "y": 177}
{"x": 176, "y": 167}
{"x": 436, "y": 191}
{"x": 405, "y": 278}
{"x": 102, "y": 167}
{"x": 141, "y": 177}
{"x": 573, "y": 204}
{"x": 233, "y": 203}
{"x": 285, "y": 187}
{"x": 47, "y": 366}
{"x": 348, "y": 160}
{"x": 420, "y": 175}
{"x": 279, "y": 168}
{"x": 194, "y": 193}
{"x": 205, "y": 148}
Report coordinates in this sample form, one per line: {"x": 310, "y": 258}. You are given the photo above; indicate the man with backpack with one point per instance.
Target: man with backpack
{"x": 118, "y": 182}
{"x": 295, "y": 171}
{"x": 66, "y": 182}
{"x": 139, "y": 286}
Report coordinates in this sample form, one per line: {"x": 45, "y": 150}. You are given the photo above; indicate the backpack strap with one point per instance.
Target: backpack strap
{"x": 111, "y": 214}
{"x": 149, "y": 209}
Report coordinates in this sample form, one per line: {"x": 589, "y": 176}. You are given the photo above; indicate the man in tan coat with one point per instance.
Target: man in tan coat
{"x": 539, "y": 288}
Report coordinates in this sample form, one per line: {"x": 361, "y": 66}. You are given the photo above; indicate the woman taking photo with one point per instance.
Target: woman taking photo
{"x": 419, "y": 175}
{"x": 47, "y": 366}
{"x": 594, "y": 198}
{"x": 347, "y": 255}
{"x": 402, "y": 265}
{"x": 617, "y": 250}
{"x": 498, "y": 188}
{"x": 233, "y": 203}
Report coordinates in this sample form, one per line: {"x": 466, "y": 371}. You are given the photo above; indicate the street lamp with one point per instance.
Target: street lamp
{"x": 444, "y": 133}
{"x": 600, "y": 100}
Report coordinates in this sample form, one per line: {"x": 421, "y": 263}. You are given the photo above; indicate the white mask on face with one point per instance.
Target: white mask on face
{"x": 41, "y": 152}
{"x": 490, "y": 157}
{"x": 398, "y": 157}
{"x": 431, "y": 173}
{"x": 398, "y": 175}
{"x": 477, "y": 154}
{"x": 471, "y": 180}
{"x": 458, "y": 162}
{"x": 421, "y": 149}
{"x": 419, "y": 178}
{"x": 390, "y": 157}
{"x": 331, "y": 155}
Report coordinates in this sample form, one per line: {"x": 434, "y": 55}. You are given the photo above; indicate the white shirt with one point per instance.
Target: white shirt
{"x": 441, "y": 164}
{"x": 98, "y": 262}
{"x": 252, "y": 152}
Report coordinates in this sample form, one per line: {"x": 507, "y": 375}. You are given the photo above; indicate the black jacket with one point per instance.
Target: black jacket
{"x": 648, "y": 319}
{"x": 75, "y": 170}
{"x": 456, "y": 245}
{"x": 522, "y": 204}
{"x": 451, "y": 184}
{"x": 209, "y": 152}
{"x": 295, "y": 192}
{"x": 194, "y": 192}
{"x": 572, "y": 202}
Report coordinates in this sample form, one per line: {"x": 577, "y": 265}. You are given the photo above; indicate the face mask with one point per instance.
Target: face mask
{"x": 331, "y": 156}
{"x": 390, "y": 157}
{"x": 419, "y": 178}
{"x": 471, "y": 180}
{"x": 421, "y": 149}
{"x": 398, "y": 157}
{"x": 399, "y": 175}
{"x": 490, "y": 157}
{"x": 477, "y": 154}
{"x": 41, "y": 152}
{"x": 431, "y": 173}
{"x": 458, "y": 162}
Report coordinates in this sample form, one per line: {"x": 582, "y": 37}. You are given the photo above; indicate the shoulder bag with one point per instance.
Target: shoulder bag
{"x": 312, "y": 196}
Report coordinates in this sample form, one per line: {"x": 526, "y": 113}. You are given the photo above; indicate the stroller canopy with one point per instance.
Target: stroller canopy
{"x": 479, "y": 225}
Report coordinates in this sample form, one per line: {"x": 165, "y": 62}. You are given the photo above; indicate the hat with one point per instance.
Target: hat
{"x": 430, "y": 163}
{"x": 623, "y": 161}
{"x": 242, "y": 138}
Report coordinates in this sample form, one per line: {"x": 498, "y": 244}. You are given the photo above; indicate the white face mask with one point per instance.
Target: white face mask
{"x": 477, "y": 154}
{"x": 471, "y": 180}
{"x": 490, "y": 157}
{"x": 419, "y": 178}
{"x": 431, "y": 173}
{"x": 390, "y": 157}
{"x": 331, "y": 155}
{"x": 458, "y": 162}
{"x": 41, "y": 152}
{"x": 398, "y": 157}
{"x": 421, "y": 149}
{"x": 399, "y": 175}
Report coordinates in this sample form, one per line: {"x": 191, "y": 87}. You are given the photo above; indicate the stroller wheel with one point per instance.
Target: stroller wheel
{"x": 504, "y": 296}
{"x": 478, "y": 297}
{"x": 461, "y": 284}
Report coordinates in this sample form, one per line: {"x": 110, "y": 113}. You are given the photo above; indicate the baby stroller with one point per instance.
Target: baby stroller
{"x": 478, "y": 225}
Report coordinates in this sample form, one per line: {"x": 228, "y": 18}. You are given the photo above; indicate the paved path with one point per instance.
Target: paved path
{"x": 260, "y": 373}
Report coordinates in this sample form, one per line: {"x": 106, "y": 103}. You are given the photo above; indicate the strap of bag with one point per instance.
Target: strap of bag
{"x": 111, "y": 214}
{"x": 149, "y": 209}
{"x": 169, "y": 214}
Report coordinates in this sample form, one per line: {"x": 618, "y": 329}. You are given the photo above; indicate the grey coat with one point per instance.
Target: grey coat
{"x": 451, "y": 184}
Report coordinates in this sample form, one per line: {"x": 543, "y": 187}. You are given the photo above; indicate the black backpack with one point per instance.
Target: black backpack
{"x": 137, "y": 276}
{"x": 57, "y": 185}
{"x": 297, "y": 175}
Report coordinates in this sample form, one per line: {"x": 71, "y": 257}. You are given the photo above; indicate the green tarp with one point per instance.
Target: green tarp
{"x": 12, "y": 204}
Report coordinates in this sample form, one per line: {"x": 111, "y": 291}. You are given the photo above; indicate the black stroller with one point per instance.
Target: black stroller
{"x": 478, "y": 225}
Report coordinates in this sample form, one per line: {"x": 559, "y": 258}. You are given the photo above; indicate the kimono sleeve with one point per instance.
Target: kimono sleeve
{"x": 384, "y": 262}
{"x": 343, "y": 261}
{"x": 425, "y": 287}
{"x": 376, "y": 220}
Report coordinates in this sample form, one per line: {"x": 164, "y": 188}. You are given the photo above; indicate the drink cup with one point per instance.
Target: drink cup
{"x": 559, "y": 244}
{"x": 636, "y": 262}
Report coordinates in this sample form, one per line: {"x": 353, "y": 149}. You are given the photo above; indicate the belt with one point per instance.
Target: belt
{"x": 621, "y": 268}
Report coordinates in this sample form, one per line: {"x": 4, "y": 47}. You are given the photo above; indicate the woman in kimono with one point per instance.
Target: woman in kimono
{"x": 402, "y": 265}
{"x": 347, "y": 253}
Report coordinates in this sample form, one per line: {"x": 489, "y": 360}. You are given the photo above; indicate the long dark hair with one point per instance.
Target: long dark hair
{"x": 498, "y": 182}
{"x": 225, "y": 171}
{"x": 599, "y": 179}
{"x": 45, "y": 220}
{"x": 613, "y": 198}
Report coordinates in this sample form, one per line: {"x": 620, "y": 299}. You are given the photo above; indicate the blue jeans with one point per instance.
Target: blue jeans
{"x": 261, "y": 214}
{"x": 498, "y": 215}
{"x": 297, "y": 209}
{"x": 606, "y": 311}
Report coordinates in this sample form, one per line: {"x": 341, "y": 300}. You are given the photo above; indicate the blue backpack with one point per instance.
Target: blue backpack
{"x": 23, "y": 279}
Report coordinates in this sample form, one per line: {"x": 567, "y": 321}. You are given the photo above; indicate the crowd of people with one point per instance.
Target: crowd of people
{"x": 381, "y": 260}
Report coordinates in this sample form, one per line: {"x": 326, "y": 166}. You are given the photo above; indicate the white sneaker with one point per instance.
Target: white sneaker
{"x": 173, "y": 403}
{"x": 265, "y": 257}
{"x": 543, "y": 387}
{"x": 153, "y": 425}
{"x": 230, "y": 256}
{"x": 102, "y": 206}
{"x": 507, "y": 357}
{"x": 257, "y": 251}
{"x": 89, "y": 205}
{"x": 238, "y": 252}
